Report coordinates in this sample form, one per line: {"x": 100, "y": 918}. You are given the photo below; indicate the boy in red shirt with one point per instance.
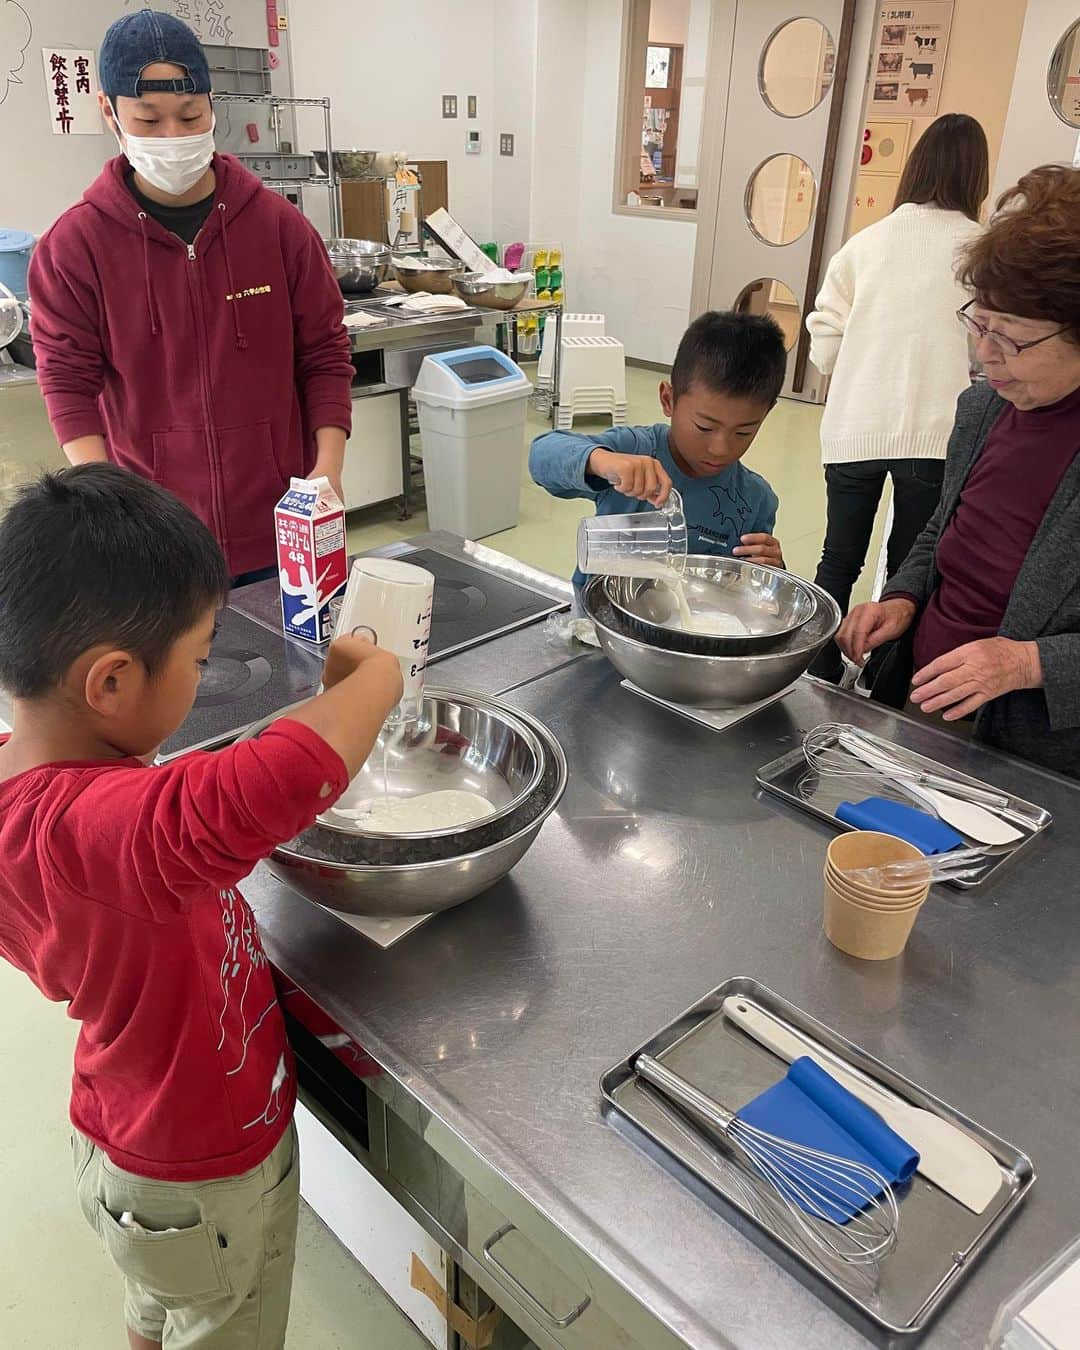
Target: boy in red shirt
{"x": 118, "y": 893}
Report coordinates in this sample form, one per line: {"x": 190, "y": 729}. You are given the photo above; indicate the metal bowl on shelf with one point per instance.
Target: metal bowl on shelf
{"x": 350, "y": 163}
{"x": 708, "y": 681}
{"x": 434, "y": 275}
{"x": 768, "y": 603}
{"x": 399, "y": 875}
{"x": 475, "y": 288}
{"x": 359, "y": 264}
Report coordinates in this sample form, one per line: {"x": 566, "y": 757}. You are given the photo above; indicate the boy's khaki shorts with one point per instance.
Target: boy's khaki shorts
{"x": 220, "y": 1282}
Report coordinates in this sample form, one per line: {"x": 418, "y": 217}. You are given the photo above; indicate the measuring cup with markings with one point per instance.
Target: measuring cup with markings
{"x": 390, "y": 602}
{"x": 644, "y": 544}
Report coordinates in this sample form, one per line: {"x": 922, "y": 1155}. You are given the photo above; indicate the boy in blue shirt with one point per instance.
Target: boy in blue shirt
{"x": 728, "y": 373}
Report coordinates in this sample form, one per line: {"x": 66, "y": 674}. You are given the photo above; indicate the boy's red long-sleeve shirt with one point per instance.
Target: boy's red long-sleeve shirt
{"x": 206, "y": 368}
{"x": 118, "y": 895}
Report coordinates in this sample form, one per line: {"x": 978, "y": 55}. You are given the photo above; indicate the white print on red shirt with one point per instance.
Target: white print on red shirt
{"x": 272, "y": 1109}
{"x": 243, "y": 958}
{"x": 243, "y": 955}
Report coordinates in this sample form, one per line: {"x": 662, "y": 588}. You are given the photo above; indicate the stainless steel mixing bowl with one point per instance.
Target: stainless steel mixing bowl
{"x": 350, "y": 163}
{"x": 391, "y": 876}
{"x": 460, "y": 742}
{"x": 770, "y": 603}
{"x": 476, "y": 288}
{"x": 359, "y": 264}
{"x": 708, "y": 681}
{"x": 436, "y": 276}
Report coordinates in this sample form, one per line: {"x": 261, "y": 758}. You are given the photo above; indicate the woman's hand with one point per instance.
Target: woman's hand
{"x": 760, "y": 548}
{"x": 870, "y": 626}
{"x": 961, "y": 681}
{"x": 638, "y": 476}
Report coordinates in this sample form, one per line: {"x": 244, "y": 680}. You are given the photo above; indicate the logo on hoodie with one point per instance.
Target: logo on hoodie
{"x": 248, "y": 292}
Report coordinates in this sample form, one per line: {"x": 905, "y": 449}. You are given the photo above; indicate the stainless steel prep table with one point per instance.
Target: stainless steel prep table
{"x": 662, "y": 875}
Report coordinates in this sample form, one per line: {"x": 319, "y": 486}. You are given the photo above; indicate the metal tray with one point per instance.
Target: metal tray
{"x": 793, "y": 780}
{"x": 940, "y": 1240}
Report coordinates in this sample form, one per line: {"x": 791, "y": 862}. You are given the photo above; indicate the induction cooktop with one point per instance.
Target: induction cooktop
{"x": 254, "y": 671}
{"x": 251, "y": 674}
{"x": 472, "y": 603}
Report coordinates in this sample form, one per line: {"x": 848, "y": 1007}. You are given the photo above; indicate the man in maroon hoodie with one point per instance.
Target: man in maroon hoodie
{"x": 186, "y": 321}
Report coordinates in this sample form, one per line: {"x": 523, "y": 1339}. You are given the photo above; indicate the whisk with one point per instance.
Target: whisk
{"x": 841, "y": 750}
{"x": 814, "y": 1187}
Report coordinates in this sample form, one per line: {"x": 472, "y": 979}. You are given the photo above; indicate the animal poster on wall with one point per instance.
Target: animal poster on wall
{"x": 71, "y": 90}
{"x": 909, "y": 60}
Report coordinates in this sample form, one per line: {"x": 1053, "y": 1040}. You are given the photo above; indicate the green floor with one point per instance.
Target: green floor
{"x": 58, "y": 1290}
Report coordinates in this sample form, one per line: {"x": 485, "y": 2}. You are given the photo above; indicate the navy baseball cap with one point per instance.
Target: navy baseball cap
{"x": 141, "y": 39}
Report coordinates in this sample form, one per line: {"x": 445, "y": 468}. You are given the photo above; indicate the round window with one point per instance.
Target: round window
{"x": 797, "y": 67}
{"x": 1063, "y": 77}
{"x": 780, "y": 199}
{"x": 777, "y": 300}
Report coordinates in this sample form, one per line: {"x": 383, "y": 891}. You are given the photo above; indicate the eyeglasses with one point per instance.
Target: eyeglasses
{"x": 1006, "y": 345}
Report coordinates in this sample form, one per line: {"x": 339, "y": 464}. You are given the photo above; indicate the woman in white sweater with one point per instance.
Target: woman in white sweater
{"x": 885, "y": 329}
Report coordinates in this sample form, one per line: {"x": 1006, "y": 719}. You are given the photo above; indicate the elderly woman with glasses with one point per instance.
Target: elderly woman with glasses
{"x": 983, "y": 617}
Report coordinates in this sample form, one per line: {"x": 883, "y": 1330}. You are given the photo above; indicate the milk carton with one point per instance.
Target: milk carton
{"x": 313, "y": 567}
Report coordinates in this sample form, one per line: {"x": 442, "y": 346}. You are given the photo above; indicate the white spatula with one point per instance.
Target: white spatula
{"x": 948, "y": 1157}
{"x": 984, "y": 826}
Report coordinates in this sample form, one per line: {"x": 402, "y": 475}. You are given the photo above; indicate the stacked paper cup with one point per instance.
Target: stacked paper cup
{"x": 872, "y": 922}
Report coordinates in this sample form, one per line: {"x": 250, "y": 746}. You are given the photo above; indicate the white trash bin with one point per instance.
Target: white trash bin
{"x": 471, "y": 407}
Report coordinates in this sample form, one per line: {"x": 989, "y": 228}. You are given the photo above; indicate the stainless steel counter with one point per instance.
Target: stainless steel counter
{"x": 662, "y": 875}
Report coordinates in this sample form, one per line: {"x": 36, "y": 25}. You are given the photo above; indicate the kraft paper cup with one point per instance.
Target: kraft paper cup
{"x": 864, "y": 931}
{"x": 867, "y": 848}
{"x": 885, "y": 897}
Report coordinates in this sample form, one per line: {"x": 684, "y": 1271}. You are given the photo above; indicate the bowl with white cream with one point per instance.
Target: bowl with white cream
{"x": 444, "y": 807}
{"x": 714, "y": 606}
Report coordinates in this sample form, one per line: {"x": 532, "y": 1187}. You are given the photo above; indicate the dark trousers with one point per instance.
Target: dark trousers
{"x": 249, "y": 578}
{"x": 854, "y": 493}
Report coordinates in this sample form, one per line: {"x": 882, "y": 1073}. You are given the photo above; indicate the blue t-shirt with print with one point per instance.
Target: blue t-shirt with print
{"x": 718, "y": 510}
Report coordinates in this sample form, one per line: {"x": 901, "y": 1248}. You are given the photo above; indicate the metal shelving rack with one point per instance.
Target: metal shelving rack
{"x": 330, "y": 182}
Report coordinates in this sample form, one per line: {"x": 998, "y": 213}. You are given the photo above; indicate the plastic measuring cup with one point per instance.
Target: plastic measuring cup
{"x": 390, "y": 602}
{"x": 646, "y": 544}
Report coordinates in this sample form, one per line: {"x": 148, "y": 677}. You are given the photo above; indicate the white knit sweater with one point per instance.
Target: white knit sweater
{"x": 885, "y": 328}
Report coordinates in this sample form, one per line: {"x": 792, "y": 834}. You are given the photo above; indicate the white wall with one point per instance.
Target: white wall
{"x": 557, "y": 133}
{"x": 514, "y": 112}
{"x": 1033, "y": 132}
{"x": 636, "y": 271}
{"x": 43, "y": 174}
{"x": 668, "y": 21}
{"x": 386, "y": 67}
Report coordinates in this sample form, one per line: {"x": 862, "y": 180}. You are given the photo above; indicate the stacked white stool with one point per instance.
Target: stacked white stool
{"x": 592, "y": 380}
{"x": 573, "y": 325}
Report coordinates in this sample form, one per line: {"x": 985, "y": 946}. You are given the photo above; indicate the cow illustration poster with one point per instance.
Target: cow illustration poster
{"x": 908, "y": 65}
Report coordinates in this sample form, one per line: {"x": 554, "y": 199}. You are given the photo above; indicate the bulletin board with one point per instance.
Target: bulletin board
{"x": 909, "y": 57}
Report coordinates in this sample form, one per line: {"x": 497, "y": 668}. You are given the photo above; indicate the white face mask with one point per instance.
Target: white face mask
{"x": 172, "y": 164}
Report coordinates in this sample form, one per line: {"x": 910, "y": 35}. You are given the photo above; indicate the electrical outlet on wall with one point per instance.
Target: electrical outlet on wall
{"x": 472, "y": 105}
{"x": 472, "y": 142}
{"x": 506, "y": 143}
{"x": 449, "y": 105}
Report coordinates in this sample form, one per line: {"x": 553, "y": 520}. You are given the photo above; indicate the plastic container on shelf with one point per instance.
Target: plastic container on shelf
{"x": 15, "y": 249}
{"x": 471, "y": 407}
{"x": 1044, "y": 1313}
